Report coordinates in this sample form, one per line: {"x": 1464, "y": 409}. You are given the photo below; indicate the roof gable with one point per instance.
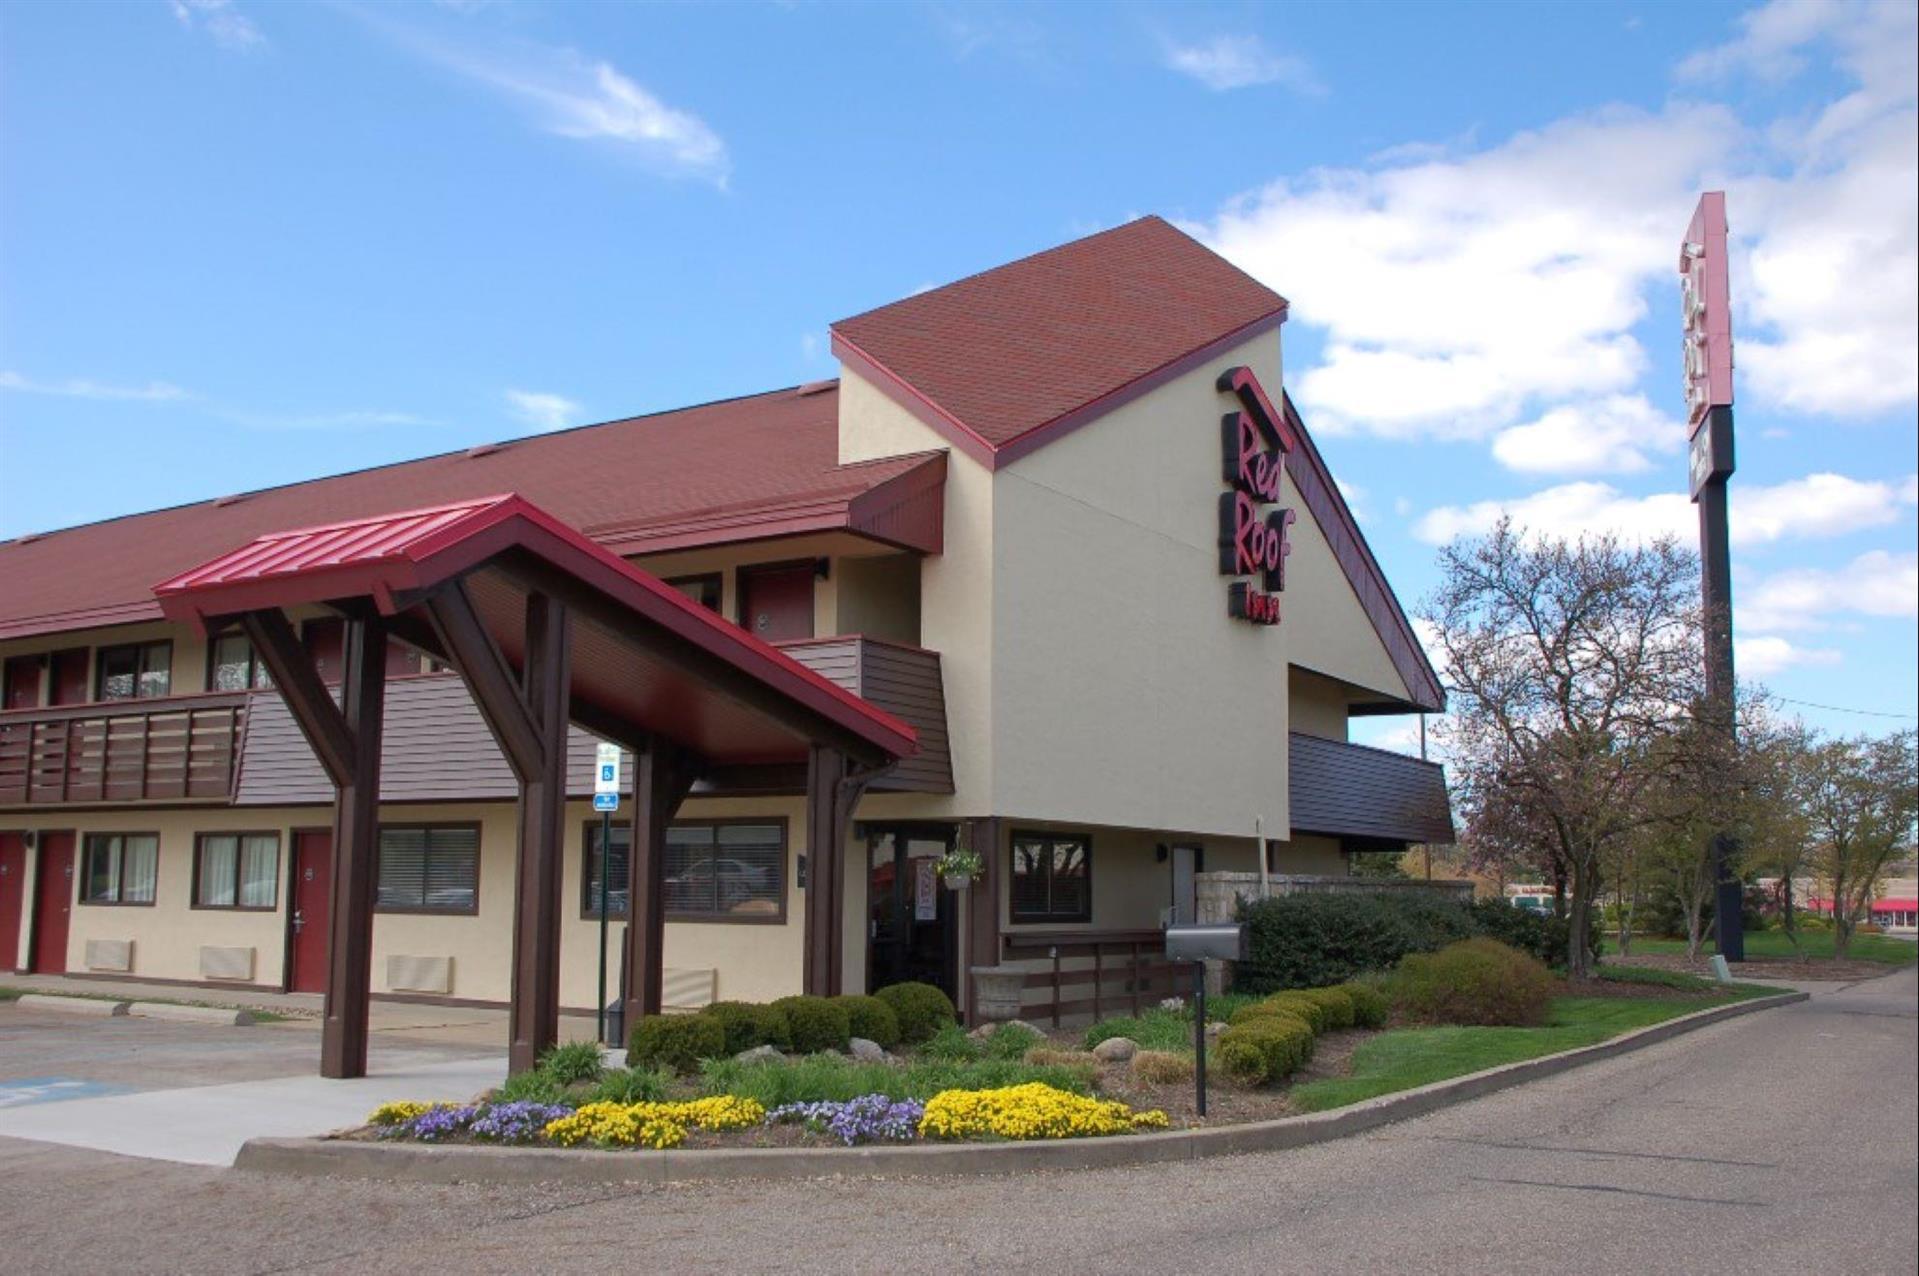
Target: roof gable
{"x": 1007, "y": 359}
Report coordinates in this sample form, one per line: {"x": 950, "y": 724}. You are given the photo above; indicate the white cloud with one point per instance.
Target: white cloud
{"x": 1876, "y": 583}
{"x": 543, "y": 411}
{"x": 1236, "y": 62}
{"x": 575, "y": 96}
{"x": 223, "y": 22}
{"x": 1818, "y": 505}
{"x": 75, "y": 388}
{"x": 1769, "y": 44}
{"x": 1401, "y": 735}
{"x": 1758, "y": 657}
{"x": 1611, "y": 435}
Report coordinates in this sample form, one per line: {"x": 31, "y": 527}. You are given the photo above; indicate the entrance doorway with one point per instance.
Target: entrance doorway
{"x": 52, "y": 903}
{"x": 312, "y": 877}
{"x": 13, "y": 902}
{"x": 776, "y": 601}
{"x": 912, "y": 926}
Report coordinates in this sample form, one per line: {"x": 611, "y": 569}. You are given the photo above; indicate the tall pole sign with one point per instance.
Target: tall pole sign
{"x": 1706, "y": 302}
{"x": 606, "y": 800}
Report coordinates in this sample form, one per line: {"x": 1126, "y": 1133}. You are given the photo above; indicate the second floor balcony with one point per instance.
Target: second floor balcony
{"x": 167, "y": 749}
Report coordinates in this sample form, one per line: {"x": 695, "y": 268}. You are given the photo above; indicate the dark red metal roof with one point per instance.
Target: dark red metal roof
{"x": 616, "y": 669}
{"x": 766, "y": 465}
{"x": 1005, "y": 359}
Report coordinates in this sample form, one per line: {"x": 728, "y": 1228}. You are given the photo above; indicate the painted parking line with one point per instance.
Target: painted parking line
{"x": 31, "y": 1090}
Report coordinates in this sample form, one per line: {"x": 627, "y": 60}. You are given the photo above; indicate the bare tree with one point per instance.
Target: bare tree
{"x": 1860, "y": 804}
{"x": 1571, "y": 665}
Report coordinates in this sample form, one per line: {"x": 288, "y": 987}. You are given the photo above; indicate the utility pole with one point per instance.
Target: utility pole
{"x": 1706, "y": 302}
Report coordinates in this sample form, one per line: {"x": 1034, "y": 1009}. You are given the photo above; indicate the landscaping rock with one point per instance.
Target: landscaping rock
{"x": 1216, "y": 1026}
{"x": 1116, "y": 1050}
{"x": 986, "y": 1030}
{"x": 758, "y": 1054}
{"x": 866, "y": 1051}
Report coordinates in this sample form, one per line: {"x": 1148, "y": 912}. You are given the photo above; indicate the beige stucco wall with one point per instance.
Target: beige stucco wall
{"x": 956, "y": 586}
{"x": 879, "y": 597}
{"x": 1318, "y": 704}
{"x": 1328, "y": 631}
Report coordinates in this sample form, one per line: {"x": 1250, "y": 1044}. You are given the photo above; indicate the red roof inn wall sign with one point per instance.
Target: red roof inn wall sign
{"x": 1253, "y": 539}
{"x": 1705, "y": 298}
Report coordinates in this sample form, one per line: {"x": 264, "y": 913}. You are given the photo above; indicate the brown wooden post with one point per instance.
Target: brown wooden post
{"x": 356, "y": 855}
{"x": 545, "y": 682}
{"x": 662, "y": 777}
{"x": 982, "y": 908}
{"x": 834, "y": 784}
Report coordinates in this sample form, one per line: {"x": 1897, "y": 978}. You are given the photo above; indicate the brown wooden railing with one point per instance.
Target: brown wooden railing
{"x": 1128, "y": 970}
{"x": 123, "y": 751}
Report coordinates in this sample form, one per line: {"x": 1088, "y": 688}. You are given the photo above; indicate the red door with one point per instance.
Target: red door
{"x": 52, "y": 904}
{"x": 23, "y": 683}
{"x": 13, "y": 878}
{"x": 70, "y": 676}
{"x": 312, "y": 875}
{"x": 776, "y": 603}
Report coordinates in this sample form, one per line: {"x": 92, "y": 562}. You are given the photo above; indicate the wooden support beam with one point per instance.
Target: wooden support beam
{"x": 320, "y": 720}
{"x": 535, "y": 1007}
{"x": 834, "y": 785}
{"x": 502, "y": 700}
{"x": 356, "y": 851}
{"x": 662, "y": 776}
{"x": 982, "y": 837}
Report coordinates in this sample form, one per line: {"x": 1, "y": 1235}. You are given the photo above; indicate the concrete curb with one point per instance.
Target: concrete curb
{"x": 426, "y": 1163}
{"x": 226, "y": 1016}
{"x": 71, "y": 1005}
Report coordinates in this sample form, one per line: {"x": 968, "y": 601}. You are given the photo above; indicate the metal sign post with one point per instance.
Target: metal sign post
{"x": 606, "y": 800}
{"x": 1198, "y": 944}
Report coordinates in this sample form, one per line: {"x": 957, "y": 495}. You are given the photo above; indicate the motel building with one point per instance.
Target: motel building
{"x": 1052, "y": 572}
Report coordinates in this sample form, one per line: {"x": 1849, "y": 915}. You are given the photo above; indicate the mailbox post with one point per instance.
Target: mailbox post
{"x": 1197, "y": 945}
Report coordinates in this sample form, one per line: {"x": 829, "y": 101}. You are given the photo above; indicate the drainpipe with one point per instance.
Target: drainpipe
{"x": 1259, "y": 838}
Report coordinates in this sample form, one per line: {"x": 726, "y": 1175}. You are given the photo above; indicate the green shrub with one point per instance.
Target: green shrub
{"x": 531, "y": 1086}
{"x": 632, "y": 1085}
{"x": 748, "y": 1024}
{"x": 817, "y": 1078}
{"x": 1011, "y": 1041}
{"x": 1153, "y": 1029}
{"x": 1301, "y": 1003}
{"x": 1475, "y": 981}
{"x": 1543, "y": 936}
{"x": 873, "y": 1019}
{"x": 1337, "y": 1004}
{"x": 921, "y": 1009}
{"x": 573, "y": 1061}
{"x": 1371, "y": 1007}
{"x": 952, "y": 1045}
{"x": 678, "y": 1042}
{"x": 816, "y": 1023}
{"x": 1265, "y": 1048}
{"x": 1312, "y": 941}
{"x": 1258, "y": 1010}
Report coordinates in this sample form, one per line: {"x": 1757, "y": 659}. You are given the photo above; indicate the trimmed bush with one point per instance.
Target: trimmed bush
{"x": 1265, "y": 1048}
{"x": 1476, "y": 981}
{"x": 815, "y": 1023}
{"x": 748, "y": 1024}
{"x": 1313, "y": 941}
{"x": 1258, "y": 1010}
{"x": 1371, "y": 1007}
{"x": 1337, "y": 1004}
{"x": 873, "y": 1019}
{"x": 1541, "y": 935}
{"x": 675, "y": 1041}
{"x": 1301, "y": 1004}
{"x": 921, "y": 1009}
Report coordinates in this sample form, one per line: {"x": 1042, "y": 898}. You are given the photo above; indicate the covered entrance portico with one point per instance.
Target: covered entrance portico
{"x": 545, "y": 628}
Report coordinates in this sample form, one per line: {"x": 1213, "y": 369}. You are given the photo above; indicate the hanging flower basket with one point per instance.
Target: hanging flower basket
{"x": 958, "y": 867}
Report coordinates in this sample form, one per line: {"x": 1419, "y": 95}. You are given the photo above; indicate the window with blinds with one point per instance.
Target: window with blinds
{"x": 429, "y": 868}
{"x": 726, "y": 871}
{"x": 120, "y": 868}
{"x": 237, "y": 870}
{"x": 1052, "y": 877}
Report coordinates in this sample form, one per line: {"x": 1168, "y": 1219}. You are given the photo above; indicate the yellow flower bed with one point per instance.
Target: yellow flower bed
{"x": 397, "y": 1112}
{"x": 1030, "y": 1111}
{"x": 653, "y": 1125}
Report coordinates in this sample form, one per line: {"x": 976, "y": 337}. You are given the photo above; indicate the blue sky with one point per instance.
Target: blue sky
{"x": 243, "y": 244}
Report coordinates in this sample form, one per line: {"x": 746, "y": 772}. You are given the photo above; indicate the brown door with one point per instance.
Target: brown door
{"x": 776, "y": 603}
{"x": 312, "y": 875}
{"x": 13, "y": 879}
{"x": 70, "y": 676}
{"x": 52, "y": 904}
{"x": 23, "y": 683}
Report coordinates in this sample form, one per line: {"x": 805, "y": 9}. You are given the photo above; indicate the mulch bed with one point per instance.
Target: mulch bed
{"x": 1782, "y": 968}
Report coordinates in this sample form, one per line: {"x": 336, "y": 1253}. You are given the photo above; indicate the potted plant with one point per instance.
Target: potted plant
{"x": 958, "y": 868}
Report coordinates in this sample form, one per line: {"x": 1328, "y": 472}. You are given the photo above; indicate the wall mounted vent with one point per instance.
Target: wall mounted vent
{"x": 419, "y": 974}
{"x": 688, "y": 989}
{"x": 109, "y": 954}
{"x": 226, "y": 963}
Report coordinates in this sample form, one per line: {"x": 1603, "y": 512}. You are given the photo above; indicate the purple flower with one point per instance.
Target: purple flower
{"x": 518, "y": 1122}
{"x": 441, "y": 1121}
{"x": 868, "y": 1119}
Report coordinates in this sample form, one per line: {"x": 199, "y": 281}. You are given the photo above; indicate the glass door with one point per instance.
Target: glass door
{"x": 912, "y": 923}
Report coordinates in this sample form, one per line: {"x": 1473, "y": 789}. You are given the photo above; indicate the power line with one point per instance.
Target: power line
{"x": 1841, "y": 708}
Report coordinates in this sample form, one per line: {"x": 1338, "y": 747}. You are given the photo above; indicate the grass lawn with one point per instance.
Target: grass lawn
{"x": 1774, "y": 943}
{"x": 1409, "y": 1057}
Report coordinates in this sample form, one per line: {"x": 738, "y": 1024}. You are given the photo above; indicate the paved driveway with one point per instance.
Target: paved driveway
{"x": 1776, "y": 1142}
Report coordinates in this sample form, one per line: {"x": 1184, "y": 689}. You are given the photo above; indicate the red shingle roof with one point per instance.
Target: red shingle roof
{"x": 734, "y": 470}
{"x": 1016, "y": 349}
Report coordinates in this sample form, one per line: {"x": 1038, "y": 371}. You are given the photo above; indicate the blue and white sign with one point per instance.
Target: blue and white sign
{"x": 606, "y": 801}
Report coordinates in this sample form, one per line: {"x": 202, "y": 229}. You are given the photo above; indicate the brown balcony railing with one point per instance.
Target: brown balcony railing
{"x": 171, "y": 747}
{"x": 1092, "y": 971}
{"x": 903, "y": 680}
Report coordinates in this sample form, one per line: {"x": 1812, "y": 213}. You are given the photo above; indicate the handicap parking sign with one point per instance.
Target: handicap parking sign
{"x": 606, "y": 801}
